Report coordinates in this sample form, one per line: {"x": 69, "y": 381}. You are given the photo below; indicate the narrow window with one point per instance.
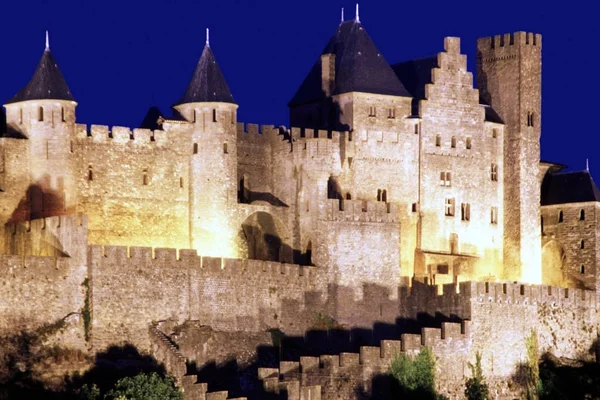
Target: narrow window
{"x": 582, "y": 215}
{"x": 445, "y": 179}
{"x": 494, "y": 133}
{"x": 494, "y": 216}
{"x": 582, "y": 244}
{"x": 494, "y": 172}
{"x": 542, "y": 224}
{"x": 90, "y": 173}
{"x": 181, "y": 183}
{"x": 414, "y": 207}
{"x": 62, "y": 114}
{"x": 372, "y": 111}
{"x": 20, "y": 115}
{"x": 71, "y": 146}
{"x": 348, "y": 196}
{"x": 195, "y": 148}
{"x": 465, "y": 211}
{"x": 560, "y": 217}
{"x": 214, "y": 115}
{"x": 378, "y": 194}
{"x": 532, "y": 119}
{"x": 438, "y": 141}
{"x": 416, "y": 129}
{"x": 582, "y": 270}
{"x": 384, "y": 195}
{"x": 392, "y": 113}
{"x": 453, "y": 142}
{"x": 225, "y": 148}
{"x": 40, "y": 113}
{"x": 468, "y": 143}
{"x": 232, "y": 117}
{"x": 449, "y": 207}
{"x": 145, "y": 180}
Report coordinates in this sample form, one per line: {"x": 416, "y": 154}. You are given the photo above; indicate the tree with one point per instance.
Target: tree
{"x": 415, "y": 375}
{"x": 476, "y": 388}
{"x": 139, "y": 387}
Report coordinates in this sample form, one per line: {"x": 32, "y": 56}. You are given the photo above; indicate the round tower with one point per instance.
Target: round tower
{"x": 43, "y": 112}
{"x": 209, "y": 106}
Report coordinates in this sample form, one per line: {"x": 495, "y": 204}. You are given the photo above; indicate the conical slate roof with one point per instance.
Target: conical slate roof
{"x": 359, "y": 67}
{"x": 47, "y": 83}
{"x": 208, "y": 83}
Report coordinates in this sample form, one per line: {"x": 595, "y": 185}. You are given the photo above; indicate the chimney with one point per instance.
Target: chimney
{"x": 327, "y": 73}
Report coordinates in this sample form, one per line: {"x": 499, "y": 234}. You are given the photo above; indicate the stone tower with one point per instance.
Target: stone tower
{"x": 44, "y": 113}
{"x": 509, "y": 78}
{"x": 209, "y": 106}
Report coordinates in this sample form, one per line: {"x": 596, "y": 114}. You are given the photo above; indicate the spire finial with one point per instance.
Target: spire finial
{"x": 207, "y": 37}
{"x": 342, "y": 15}
{"x": 47, "y": 41}
{"x": 357, "y": 16}
{"x": 587, "y": 165}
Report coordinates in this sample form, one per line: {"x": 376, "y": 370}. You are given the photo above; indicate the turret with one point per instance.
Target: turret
{"x": 209, "y": 106}
{"x": 509, "y": 70}
{"x": 44, "y": 113}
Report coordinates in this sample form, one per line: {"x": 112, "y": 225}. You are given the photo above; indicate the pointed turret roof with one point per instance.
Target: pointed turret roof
{"x": 47, "y": 82}
{"x": 359, "y": 67}
{"x": 208, "y": 83}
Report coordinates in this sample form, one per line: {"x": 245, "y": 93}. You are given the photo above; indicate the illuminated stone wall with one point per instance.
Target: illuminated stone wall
{"x": 570, "y": 244}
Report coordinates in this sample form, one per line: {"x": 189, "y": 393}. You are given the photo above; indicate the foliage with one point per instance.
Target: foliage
{"x": 86, "y": 314}
{"x": 415, "y": 376}
{"x": 325, "y": 322}
{"x": 476, "y": 388}
{"x": 145, "y": 387}
{"x": 533, "y": 382}
{"x": 562, "y": 381}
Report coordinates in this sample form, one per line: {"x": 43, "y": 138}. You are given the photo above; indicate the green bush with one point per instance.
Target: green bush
{"x": 139, "y": 387}
{"x": 415, "y": 376}
{"x": 476, "y": 388}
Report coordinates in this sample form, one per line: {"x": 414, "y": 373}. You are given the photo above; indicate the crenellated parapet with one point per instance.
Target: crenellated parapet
{"x": 123, "y": 135}
{"x": 504, "y": 47}
{"x": 361, "y": 211}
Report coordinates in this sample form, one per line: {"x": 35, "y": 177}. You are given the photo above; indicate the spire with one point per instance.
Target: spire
{"x": 207, "y": 37}
{"x": 208, "y": 83}
{"x": 47, "y": 82}
{"x": 342, "y": 16}
{"x": 357, "y": 19}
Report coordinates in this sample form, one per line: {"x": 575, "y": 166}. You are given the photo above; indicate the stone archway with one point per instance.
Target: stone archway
{"x": 553, "y": 264}
{"x": 266, "y": 238}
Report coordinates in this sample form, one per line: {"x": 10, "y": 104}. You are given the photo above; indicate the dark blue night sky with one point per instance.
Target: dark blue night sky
{"x": 122, "y": 57}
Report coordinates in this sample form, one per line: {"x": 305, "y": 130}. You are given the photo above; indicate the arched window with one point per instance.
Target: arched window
{"x": 582, "y": 270}
{"x": 582, "y": 244}
{"x": 146, "y": 179}
{"x": 453, "y": 142}
{"x": 582, "y": 215}
{"x": 560, "y": 217}
{"x": 90, "y": 173}
{"x": 348, "y": 196}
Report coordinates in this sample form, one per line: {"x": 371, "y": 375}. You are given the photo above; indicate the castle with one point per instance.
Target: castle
{"x": 399, "y": 189}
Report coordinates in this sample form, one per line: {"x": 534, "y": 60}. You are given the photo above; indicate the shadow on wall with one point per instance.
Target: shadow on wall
{"x": 266, "y": 238}
{"x": 247, "y": 196}
{"x": 2, "y": 122}
{"x": 39, "y": 202}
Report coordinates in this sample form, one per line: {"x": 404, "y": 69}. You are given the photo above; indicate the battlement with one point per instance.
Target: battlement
{"x": 79, "y": 221}
{"x": 450, "y": 335}
{"x": 210, "y": 266}
{"x": 526, "y": 294}
{"x": 509, "y": 41}
{"x": 309, "y": 133}
{"x": 361, "y": 211}
{"x": 120, "y": 134}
